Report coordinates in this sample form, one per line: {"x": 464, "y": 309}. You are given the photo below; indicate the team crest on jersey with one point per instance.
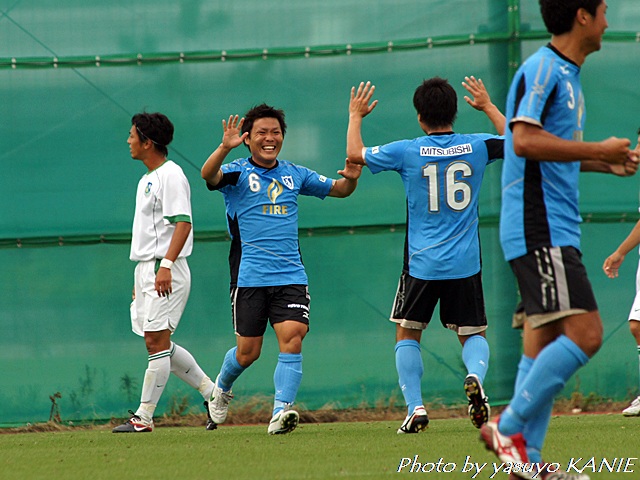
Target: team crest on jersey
{"x": 274, "y": 190}
{"x": 288, "y": 181}
{"x": 147, "y": 190}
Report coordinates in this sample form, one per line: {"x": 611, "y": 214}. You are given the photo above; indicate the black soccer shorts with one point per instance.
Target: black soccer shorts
{"x": 553, "y": 284}
{"x": 461, "y": 303}
{"x": 253, "y": 307}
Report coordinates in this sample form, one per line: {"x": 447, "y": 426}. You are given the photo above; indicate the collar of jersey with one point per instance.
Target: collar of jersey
{"x": 151, "y": 171}
{"x": 260, "y": 166}
{"x": 433, "y": 134}
{"x": 559, "y": 53}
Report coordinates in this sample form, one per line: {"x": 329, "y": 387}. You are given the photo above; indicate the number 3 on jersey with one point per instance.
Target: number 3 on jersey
{"x": 457, "y": 192}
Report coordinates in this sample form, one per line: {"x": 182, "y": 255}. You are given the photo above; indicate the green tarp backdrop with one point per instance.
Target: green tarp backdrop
{"x": 72, "y": 73}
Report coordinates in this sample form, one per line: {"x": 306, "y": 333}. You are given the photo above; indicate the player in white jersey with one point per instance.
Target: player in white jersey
{"x": 161, "y": 241}
{"x": 610, "y": 267}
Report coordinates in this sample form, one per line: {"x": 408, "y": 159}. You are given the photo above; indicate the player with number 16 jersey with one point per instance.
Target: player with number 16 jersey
{"x": 442, "y": 173}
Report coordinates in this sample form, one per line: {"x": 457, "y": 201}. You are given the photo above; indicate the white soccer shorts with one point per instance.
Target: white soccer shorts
{"x": 634, "y": 314}
{"x": 151, "y": 313}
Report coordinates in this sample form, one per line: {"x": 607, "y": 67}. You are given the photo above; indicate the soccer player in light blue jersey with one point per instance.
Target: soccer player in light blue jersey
{"x": 442, "y": 173}
{"x": 539, "y": 225}
{"x": 268, "y": 280}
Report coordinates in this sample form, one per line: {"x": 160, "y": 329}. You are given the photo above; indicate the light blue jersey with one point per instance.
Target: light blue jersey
{"x": 545, "y": 92}
{"x": 262, "y": 216}
{"x": 442, "y": 174}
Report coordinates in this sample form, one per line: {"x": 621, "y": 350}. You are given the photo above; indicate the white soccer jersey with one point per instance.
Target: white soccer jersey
{"x": 162, "y": 199}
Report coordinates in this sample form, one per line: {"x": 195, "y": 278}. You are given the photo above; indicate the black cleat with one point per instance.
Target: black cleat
{"x": 211, "y": 425}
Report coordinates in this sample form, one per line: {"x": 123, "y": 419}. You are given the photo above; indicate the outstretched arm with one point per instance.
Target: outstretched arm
{"x": 231, "y": 138}
{"x": 359, "y": 107}
{"x": 482, "y": 101}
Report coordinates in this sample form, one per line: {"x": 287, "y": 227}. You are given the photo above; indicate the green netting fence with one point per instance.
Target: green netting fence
{"x": 73, "y": 72}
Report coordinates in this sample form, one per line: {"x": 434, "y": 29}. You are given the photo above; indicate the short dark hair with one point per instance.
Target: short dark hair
{"x": 436, "y": 102}
{"x": 155, "y": 127}
{"x": 558, "y": 15}
{"x": 263, "y": 111}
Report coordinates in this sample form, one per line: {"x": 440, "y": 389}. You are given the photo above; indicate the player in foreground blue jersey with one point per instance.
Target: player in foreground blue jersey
{"x": 539, "y": 226}
{"x": 442, "y": 173}
{"x": 268, "y": 280}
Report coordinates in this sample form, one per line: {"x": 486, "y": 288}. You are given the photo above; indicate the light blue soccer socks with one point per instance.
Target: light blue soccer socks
{"x": 548, "y": 374}
{"x": 475, "y": 355}
{"x": 230, "y": 370}
{"x": 410, "y": 369}
{"x": 286, "y": 379}
{"x": 535, "y": 430}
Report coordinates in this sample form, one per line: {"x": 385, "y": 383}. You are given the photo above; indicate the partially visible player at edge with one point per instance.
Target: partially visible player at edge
{"x": 611, "y": 266}
{"x": 442, "y": 173}
{"x": 161, "y": 241}
{"x": 268, "y": 279}
{"x": 540, "y": 226}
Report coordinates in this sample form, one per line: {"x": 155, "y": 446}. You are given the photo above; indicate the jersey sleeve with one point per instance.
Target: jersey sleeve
{"x": 494, "y": 145}
{"x": 386, "y": 157}
{"x": 539, "y": 83}
{"x": 176, "y": 198}
{"x": 314, "y": 184}
{"x": 230, "y": 175}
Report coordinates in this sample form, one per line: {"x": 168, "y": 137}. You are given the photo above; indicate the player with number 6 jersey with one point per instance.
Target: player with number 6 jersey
{"x": 262, "y": 216}
{"x": 268, "y": 281}
{"x": 442, "y": 173}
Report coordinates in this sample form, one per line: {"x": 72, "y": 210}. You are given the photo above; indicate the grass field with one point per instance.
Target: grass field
{"x": 359, "y": 450}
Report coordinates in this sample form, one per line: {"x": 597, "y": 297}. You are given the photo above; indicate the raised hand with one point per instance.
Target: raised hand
{"x": 360, "y": 98}
{"x": 231, "y": 137}
{"x": 476, "y": 88}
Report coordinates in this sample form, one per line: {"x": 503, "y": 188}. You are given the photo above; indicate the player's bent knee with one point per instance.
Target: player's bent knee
{"x": 246, "y": 359}
{"x": 590, "y": 343}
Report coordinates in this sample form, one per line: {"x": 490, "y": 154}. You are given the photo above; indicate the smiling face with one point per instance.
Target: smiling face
{"x": 265, "y": 141}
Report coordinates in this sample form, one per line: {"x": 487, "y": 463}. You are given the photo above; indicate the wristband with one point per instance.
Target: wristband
{"x": 166, "y": 263}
